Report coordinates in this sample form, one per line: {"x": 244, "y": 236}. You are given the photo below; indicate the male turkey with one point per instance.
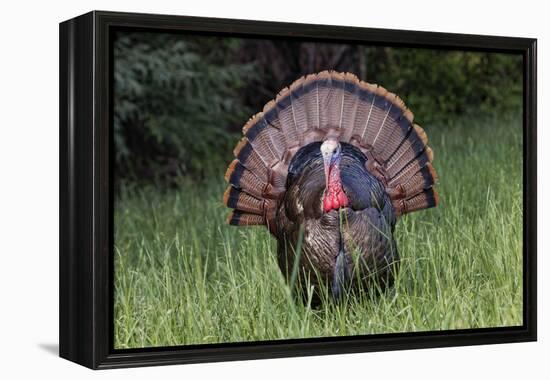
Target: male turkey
{"x": 331, "y": 162}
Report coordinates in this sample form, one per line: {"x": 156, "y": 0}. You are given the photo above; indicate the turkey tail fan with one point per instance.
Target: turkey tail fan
{"x": 337, "y": 105}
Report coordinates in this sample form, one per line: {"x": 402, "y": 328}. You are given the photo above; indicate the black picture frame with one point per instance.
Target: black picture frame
{"x": 86, "y": 212}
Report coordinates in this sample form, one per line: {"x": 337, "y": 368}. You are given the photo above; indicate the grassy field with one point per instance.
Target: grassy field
{"x": 182, "y": 276}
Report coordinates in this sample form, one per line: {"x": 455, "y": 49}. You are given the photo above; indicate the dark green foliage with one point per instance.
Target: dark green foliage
{"x": 439, "y": 85}
{"x": 176, "y": 103}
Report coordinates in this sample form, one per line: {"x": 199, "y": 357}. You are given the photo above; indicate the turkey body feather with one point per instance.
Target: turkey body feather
{"x": 364, "y": 228}
{"x": 330, "y": 134}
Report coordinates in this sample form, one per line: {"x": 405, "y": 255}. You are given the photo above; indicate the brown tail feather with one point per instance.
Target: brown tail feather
{"x": 338, "y": 105}
{"x": 272, "y": 116}
{"x": 409, "y": 169}
{"x": 250, "y": 159}
{"x": 395, "y": 128}
{"x": 422, "y": 180}
{"x": 408, "y": 151}
{"x": 310, "y": 98}
{"x": 364, "y": 111}
{"x": 391, "y": 141}
{"x": 426, "y": 199}
{"x": 297, "y": 105}
{"x": 349, "y": 108}
{"x": 240, "y": 200}
{"x": 324, "y": 82}
{"x": 238, "y": 218}
{"x": 240, "y": 177}
{"x": 286, "y": 118}
{"x": 268, "y": 142}
{"x": 377, "y": 121}
{"x": 335, "y": 102}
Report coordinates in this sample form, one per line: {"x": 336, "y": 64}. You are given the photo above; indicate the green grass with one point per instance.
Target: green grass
{"x": 182, "y": 276}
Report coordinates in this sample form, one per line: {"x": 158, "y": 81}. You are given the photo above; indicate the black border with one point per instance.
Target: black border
{"x": 86, "y": 264}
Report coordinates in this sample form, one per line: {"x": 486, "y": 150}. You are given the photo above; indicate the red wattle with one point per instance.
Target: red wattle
{"x": 334, "y": 195}
{"x": 343, "y": 199}
{"x": 333, "y": 201}
{"x": 327, "y": 204}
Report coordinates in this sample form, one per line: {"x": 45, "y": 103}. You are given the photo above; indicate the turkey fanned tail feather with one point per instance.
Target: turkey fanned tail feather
{"x": 313, "y": 108}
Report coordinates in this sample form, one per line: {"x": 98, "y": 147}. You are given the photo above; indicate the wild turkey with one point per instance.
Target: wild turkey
{"x": 335, "y": 160}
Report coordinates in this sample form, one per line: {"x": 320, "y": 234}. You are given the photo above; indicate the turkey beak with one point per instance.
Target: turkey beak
{"x": 327, "y": 159}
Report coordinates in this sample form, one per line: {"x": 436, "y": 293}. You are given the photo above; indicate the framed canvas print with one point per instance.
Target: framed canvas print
{"x": 236, "y": 189}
